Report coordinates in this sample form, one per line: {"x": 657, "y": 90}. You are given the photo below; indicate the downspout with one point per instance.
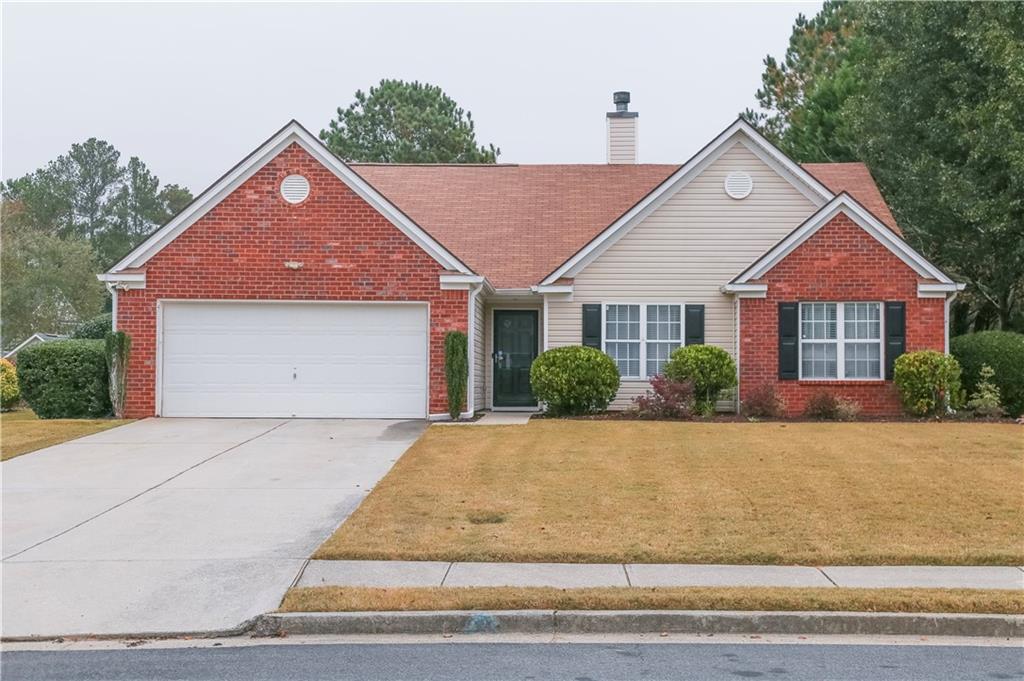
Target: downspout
{"x": 736, "y": 299}
{"x": 474, "y": 291}
{"x": 949, "y": 303}
{"x": 112, "y": 290}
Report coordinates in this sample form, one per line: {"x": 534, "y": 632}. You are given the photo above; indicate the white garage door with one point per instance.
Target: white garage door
{"x": 294, "y": 359}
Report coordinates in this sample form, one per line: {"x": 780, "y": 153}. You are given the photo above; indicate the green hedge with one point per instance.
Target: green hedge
{"x": 97, "y": 328}
{"x": 456, "y": 371}
{"x": 574, "y": 380}
{"x": 709, "y": 368}
{"x": 1001, "y": 350}
{"x": 65, "y": 379}
{"x": 928, "y": 382}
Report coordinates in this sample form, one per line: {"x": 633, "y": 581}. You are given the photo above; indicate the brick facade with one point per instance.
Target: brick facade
{"x": 238, "y": 249}
{"x": 839, "y": 263}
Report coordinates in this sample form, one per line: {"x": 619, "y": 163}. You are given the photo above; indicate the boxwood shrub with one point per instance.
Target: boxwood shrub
{"x": 1001, "y": 350}
{"x": 710, "y": 369}
{"x": 65, "y": 379}
{"x": 928, "y": 382}
{"x": 574, "y": 380}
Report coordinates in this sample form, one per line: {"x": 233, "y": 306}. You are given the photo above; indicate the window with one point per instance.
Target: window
{"x": 840, "y": 341}
{"x": 640, "y": 338}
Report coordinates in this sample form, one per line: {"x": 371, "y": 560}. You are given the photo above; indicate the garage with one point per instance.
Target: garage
{"x": 292, "y": 359}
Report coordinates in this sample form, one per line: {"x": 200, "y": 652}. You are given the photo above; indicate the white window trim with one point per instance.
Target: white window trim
{"x": 643, "y": 331}
{"x": 840, "y": 340}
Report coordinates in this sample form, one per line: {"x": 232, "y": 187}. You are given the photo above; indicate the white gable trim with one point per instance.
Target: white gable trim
{"x": 843, "y": 203}
{"x": 738, "y": 132}
{"x": 36, "y": 336}
{"x": 234, "y": 178}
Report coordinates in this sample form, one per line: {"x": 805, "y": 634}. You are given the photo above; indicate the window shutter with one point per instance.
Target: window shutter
{"x": 789, "y": 341}
{"x": 895, "y": 334}
{"x": 592, "y": 326}
{"x": 694, "y": 325}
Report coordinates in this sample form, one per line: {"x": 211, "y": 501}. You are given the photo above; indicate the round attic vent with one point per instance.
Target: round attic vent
{"x": 295, "y": 189}
{"x": 738, "y": 185}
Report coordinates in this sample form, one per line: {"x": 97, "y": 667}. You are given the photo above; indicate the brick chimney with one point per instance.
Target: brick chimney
{"x": 622, "y": 141}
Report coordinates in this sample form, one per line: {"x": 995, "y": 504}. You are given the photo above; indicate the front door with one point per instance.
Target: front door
{"x": 515, "y": 348}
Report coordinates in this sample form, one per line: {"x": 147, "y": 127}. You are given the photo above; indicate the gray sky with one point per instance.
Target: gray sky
{"x": 192, "y": 88}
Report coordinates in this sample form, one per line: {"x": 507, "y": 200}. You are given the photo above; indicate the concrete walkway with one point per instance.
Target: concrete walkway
{"x": 575, "y": 575}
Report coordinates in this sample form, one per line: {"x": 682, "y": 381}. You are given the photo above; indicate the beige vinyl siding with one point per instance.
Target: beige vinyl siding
{"x": 479, "y": 353}
{"x": 685, "y": 250}
{"x": 523, "y": 303}
{"x": 622, "y": 141}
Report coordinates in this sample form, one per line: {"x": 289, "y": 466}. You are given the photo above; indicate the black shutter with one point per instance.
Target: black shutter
{"x": 694, "y": 324}
{"x": 895, "y": 334}
{"x": 789, "y": 341}
{"x": 592, "y": 326}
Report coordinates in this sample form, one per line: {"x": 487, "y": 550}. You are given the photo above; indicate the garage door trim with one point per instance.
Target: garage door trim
{"x": 160, "y": 303}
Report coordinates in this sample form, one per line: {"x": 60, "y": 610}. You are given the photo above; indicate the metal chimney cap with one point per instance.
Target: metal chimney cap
{"x": 621, "y": 99}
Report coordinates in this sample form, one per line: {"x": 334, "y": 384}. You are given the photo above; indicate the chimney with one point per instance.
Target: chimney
{"x": 622, "y": 131}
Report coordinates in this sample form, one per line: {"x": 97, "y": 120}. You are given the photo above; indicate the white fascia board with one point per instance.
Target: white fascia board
{"x": 124, "y": 280}
{"x": 739, "y": 131}
{"x": 846, "y": 204}
{"x": 930, "y": 290}
{"x": 746, "y": 290}
{"x": 291, "y": 133}
{"x": 460, "y": 282}
{"x": 16, "y": 349}
{"x": 552, "y": 288}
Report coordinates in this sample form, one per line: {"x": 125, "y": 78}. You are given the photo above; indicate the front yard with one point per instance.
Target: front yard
{"x": 22, "y": 431}
{"x": 631, "y": 491}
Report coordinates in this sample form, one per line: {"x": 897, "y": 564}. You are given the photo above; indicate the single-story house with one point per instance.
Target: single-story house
{"x": 34, "y": 339}
{"x": 301, "y": 285}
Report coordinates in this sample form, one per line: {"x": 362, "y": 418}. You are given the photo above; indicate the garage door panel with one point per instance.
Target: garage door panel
{"x": 294, "y": 359}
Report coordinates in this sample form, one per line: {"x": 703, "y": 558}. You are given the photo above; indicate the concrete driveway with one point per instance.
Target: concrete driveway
{"x": 175, "y": 525}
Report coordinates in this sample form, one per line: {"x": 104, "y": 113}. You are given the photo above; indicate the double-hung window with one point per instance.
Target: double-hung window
{"x": 840, "y": 341}
{"x": 640, "y": 337}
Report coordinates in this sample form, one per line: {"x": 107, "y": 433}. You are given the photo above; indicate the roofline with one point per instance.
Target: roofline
{"x": 292, "y": 132}
{"x": 676, "y": 181}
{"x": 845, "y": 203}
{"x": 37, "y": 334}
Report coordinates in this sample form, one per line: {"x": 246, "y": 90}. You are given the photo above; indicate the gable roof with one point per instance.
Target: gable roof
{"x": 291, "y": 133}
{"x": 37, "y": 337}
{"x": 514, "y": 223}
{"x": 855, "y": 179}
{"x": 846, "y": 204}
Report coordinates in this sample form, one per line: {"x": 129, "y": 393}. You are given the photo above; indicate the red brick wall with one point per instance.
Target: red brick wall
{"x": 840, "y": 262}
{"x": 237, "y": 251}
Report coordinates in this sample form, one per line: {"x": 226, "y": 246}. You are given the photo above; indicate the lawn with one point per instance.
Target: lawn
{"x": 22, "y": 431}
{"x": 328, "y": 599}
{"x": 633, "y": 491}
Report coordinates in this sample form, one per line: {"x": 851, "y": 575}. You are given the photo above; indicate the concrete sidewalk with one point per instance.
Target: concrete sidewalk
{"x": 391, "y": 574}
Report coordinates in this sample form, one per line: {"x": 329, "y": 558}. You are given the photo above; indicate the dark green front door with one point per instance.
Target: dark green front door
{"x": 515, "y": 348}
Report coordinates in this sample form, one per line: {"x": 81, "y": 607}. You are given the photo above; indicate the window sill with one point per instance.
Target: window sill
{"x": 844, "y": 381}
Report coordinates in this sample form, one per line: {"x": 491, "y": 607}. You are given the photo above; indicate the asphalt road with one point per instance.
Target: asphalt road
{"x": 576, "y": 661}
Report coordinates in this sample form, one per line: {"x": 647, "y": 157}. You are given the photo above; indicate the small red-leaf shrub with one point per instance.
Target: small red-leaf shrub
{"x": 667, "y": 399}
{"x": 825, "y": 405}
{"x": 764, "y": 401}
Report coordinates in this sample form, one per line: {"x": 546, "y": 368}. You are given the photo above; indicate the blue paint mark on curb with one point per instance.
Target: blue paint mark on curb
{"x": 481, "y": 623}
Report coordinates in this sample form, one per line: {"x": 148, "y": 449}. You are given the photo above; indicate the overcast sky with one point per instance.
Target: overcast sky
{"x": 192, "y": 88}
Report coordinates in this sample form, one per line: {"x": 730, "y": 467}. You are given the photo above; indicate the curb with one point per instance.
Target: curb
{"x": 243, "y": 628}
{"x": 638, "y": 622}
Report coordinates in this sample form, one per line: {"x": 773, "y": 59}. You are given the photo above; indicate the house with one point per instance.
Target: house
{"x": 300, "y": 285}
{"x": 35, "y": 338}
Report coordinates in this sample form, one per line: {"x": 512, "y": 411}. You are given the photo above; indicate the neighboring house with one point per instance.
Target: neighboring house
{"x": 29, "y": 342}
{"x": 299, "y": 285}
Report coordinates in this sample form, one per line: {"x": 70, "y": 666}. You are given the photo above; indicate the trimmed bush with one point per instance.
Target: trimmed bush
{"x": 456, "y": 370}
{"x": 928, "y": 382}
{"x": 96, "y": 328}
{"x": 763, "y": 401}
{"x": 710, "y": 369}
{"x": 65, "y": 379}
{"x": 984, "y": 400}
{"x": 667, "y": 399}
{"x": 574, "y": 380}
{"x": 1001, "y": 350}
{"x": 118, "y": 344}
{"x": 825, "y": 405}
{"x": 9, "y": 391}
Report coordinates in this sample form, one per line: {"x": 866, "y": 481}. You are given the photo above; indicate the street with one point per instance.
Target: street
{"x": 521, "y": 660}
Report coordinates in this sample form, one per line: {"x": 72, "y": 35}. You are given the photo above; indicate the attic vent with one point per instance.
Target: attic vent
{"x": 738, "y": 185}
{"x": 295, "y": 189}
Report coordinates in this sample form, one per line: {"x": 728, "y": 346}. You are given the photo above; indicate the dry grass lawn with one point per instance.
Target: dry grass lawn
{"x": 328, "y": 599}
{"x": 22, "y": 431}
{"x": 633, "y": 491}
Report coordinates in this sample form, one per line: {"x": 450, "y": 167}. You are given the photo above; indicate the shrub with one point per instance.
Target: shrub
{"x": 928, "y": 382}
{"x": 456, "y": 370}
{"x": 118, "y": 343}
{"x": 96, "y": 328}
{"x": 1001, "y": 350}
{"x": 825, "y": 405}
{"x": 667, "y": 399}
{"x": 710, "y": 369}
{"x": 574, "y": 380}
{"x": 763, "y": 401}
{"x": 9, "y": 391}
{"x": 65, "y": 379}
{"x": 985, "y": 399}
